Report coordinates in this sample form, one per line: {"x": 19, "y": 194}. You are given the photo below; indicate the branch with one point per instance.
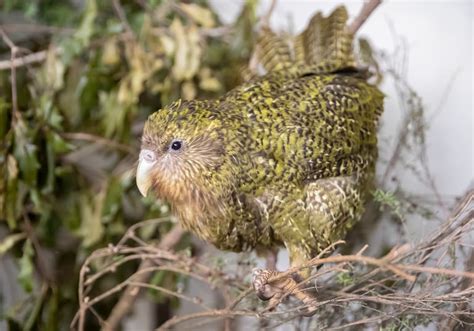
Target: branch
{"x": 217, "y": 313}
{"x": 13, "y": 53}
{"x": 386, "y": 282}
{"x": 266, "y": 18}
{"x": 24, "y": 60}
{"x": 99, "y": 140}
{"x": 367, "y": 9}
{"x": 123, "y": 18}
{"x": 128, "y": 298}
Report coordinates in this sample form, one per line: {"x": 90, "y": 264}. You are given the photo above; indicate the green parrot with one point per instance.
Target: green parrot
{"x": 287, "y": 158}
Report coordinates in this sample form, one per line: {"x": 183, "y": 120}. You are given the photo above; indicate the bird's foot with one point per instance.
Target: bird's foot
{"x": 275, "y": 290}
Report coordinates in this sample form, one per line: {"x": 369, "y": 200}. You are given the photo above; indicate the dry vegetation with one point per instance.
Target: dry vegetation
{"x": 411, "y": 285}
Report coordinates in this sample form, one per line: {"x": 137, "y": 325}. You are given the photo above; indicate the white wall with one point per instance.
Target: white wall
{"x": 439, "y": 36}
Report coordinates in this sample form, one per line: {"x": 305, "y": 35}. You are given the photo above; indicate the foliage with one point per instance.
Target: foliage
{"x": 71, "y": 134}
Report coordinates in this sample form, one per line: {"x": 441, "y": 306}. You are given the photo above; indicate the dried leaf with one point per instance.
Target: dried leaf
{"x": 12, "y": 167}
{"x": 10, "y": 241}
{"x": 188, "y": 90}
{"x": 150, "y": 39}
{"x": 202, "y": 16}
{"x": 142, "y": 66}
{"x": 168, "y": 44}
{"x": 52, "y": 74}
{"x": 188, "y": 51}
{"x": 11, "y": 203}
{"x": 208, "y": 82}
{"x": 111, "y": 52}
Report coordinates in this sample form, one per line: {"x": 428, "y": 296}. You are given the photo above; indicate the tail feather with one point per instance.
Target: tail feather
{"x": 325, "y": 45}
{"x": 274, "y": 52}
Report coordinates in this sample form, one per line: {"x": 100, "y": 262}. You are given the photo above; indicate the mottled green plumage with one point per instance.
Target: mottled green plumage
{"x": 287, "y": 158}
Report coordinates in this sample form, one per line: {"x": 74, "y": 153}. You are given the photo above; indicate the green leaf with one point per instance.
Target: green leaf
{"x": 92, "y": 229}
{"x": 114, "y": 113}
{"x": 55, "y": 144}
{"x": 86, "y": 30}
{"x": 4, "y": 110}
{"x": 58, "y": 143}
{"x": 27, "y": 267}
{"x": 113, "y": 200}
{"x": 52, "y": 310}
{"x": 25, "y": 153}
{"x": 388, "y": 199}
{"x": 163, "y": 279}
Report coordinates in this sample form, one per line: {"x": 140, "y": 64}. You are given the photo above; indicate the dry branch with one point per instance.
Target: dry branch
{"x": 14, "y": 50}
{"x": 125, "y": 304}
{"x": 132, "y": 289}
{"x": 24, "y": 60}
{"x": 364, "y": 14}
{"x": 411, "y": 280}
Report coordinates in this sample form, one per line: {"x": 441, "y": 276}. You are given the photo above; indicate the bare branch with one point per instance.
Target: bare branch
{"x": 364, "y": 14}
{"x": 266, "y": 18}
{"x": 123, "y": 18}
{"x": 24, "y": 60}
{"x": 439, "y": 290}
{"x": 125, "y": 304}
{"x": 98, "y": 139}
{"x": 13, "y": 53}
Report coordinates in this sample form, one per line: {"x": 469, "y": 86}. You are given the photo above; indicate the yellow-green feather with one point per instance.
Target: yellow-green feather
{"x": 291, "y": 154}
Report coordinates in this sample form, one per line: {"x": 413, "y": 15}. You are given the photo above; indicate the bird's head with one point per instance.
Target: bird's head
{"x": 182, "y": 153}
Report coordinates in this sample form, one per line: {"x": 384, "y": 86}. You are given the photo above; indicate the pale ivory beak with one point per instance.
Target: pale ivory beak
{"x": 146, "y": 161}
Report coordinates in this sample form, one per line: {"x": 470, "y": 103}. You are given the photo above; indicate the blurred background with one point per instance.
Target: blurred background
{"x": 78, "y": 79}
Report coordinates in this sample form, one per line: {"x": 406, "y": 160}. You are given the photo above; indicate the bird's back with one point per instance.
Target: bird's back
{"x": 290, "y": 152}
{"x": 310, "y": 117}
{"x": 300, "y": 127}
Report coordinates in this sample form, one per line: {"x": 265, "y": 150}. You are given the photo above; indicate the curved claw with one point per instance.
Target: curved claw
{"x": 274, "y": 291}
{"x": 260, "y": 278}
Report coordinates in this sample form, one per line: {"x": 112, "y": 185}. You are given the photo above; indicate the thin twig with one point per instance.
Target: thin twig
{"x": 98, "y": 139}
{"x": 24, "y": 60}
{"x": 128, "y": 298}
{"x": 123, "y": 18}
{"x": 366, "y": 11}
{"x": 374, "y": 291}
{"x": 266, "y": 18}
{"x": 36, "y": 28}
{"x": 13, "y": 53}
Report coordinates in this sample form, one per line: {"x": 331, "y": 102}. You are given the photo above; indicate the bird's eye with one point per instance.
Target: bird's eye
{"x": 176, "y": 145}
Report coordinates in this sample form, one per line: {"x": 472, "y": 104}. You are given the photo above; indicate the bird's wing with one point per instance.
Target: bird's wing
{"x": 318, "y": 125}
{"x": 318, "y": 214}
